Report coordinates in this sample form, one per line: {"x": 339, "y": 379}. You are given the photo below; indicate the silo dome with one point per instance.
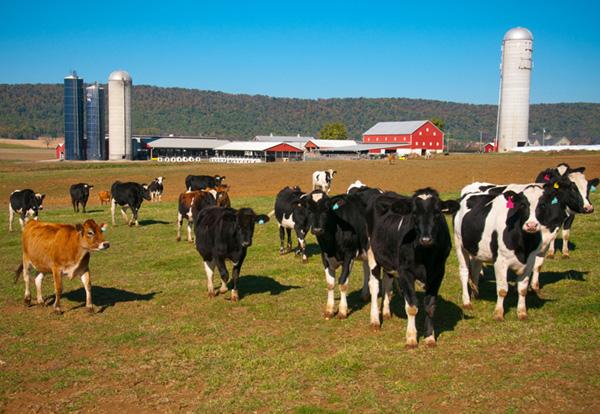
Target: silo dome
{"x": 518, "y": 33}
{"x": 120, "y": 75}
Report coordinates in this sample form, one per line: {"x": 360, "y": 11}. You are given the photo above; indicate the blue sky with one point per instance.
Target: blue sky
{"x": 447, "y": 50}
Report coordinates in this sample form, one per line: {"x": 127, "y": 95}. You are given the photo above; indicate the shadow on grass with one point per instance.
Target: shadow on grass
{"x": 251, "y": 285}
{"x": 548, "y": 278}
{"x": 313, "y": 249}
{"x": 150, "y": 222}
{"x": 104, "y": 297}
{"x": 93, "y": 211}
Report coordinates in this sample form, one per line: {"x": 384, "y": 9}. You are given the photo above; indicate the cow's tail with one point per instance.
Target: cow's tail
{"x": 18, "y": 272}
{"x": 271, "y": 213}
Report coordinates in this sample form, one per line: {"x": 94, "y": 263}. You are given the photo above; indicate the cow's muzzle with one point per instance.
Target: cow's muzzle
{"x": 531, "y": 227}
{"x": 104, "y": 246}
{"x": 246, "y": 243}
{"x": 317, "y": 231}
{"x": 426, "y": 241}
{"x": 588, "y": 209}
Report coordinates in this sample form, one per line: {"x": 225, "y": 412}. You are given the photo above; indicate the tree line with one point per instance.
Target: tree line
{"x": 33, "y": 110}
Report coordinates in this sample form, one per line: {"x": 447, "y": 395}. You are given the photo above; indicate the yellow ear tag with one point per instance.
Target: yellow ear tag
{"x": 556, "y": 185}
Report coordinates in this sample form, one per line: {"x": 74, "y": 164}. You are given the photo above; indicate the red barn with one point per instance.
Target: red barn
{"x": 60, "y": 152}
{"x": 422, "y": 136}
{"x": 489, "y": 147}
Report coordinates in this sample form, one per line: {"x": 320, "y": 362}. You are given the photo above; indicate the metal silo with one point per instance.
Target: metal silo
{"x": 94, "y": 108}
{"x": 119, "y": 115}
{"x": 73, "y": 106}
{"x": 515, "y": 82}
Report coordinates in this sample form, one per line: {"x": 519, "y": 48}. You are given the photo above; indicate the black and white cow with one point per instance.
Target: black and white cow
{"x": 339, "y": 223}
{"x": 156, "y": 189}
{"x": 321, "y": 180}
{"x": 566, "y": 200}
{"x": 80, "y": 193}
{"x": 225, "y": 234}
{"x": 291, "y": 213}
{"x": 128, "y": 195}
{"x": 500, "y": 227}
{"x": 410, "y": 241}
{"x": 25, "y": 203}
{"x": 584, "y": 186}
{"x": 200, "y": 182}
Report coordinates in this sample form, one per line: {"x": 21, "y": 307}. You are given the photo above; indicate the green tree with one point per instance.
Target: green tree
{"x": 438, "y": 123}
{"x": 334, "y": 130}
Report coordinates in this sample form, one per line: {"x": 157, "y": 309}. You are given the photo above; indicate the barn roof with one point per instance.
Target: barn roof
{"x": 282, "y": 138}
{"x": 253, "y": 146}
{"x": 365, "y": 147}
{"x": 188, "y": 143}
{"x": 332, "y": 143}
{"x": 395, "y": 128}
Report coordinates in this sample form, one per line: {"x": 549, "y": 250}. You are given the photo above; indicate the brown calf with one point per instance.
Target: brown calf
{"x": 104, "y": 197}
{"x": 188, "y": 203}
{"x": 60, "y": 249}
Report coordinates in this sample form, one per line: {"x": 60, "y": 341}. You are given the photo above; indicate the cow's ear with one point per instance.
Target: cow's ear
{"x": 334, "y": 172}
{"x": 593, "y": 183}
{"x": 261, "y": 219}
{"x": 91, "y": 186}
{"x": 145, "y": 186}
{"x": 577, "y": 170}
{"x": 450, "y": 206}
{"x": 79, "y": 228}
{"x": 222, "y": 177}
{"x": 403, "y": 206}
{"x": 43, "y": 196}
{"x": 339, "y": 203}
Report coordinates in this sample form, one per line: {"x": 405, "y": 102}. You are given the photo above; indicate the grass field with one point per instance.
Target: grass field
{"x": 157, "y": 343}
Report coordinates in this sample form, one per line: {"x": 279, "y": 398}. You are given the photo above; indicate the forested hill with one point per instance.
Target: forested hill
{"x": 28, "y": 111}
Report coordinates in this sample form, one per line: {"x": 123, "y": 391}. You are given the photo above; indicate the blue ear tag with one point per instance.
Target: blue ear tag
{"x": 593, "y": 189}
{"x": 554, "y": 201}
{"x": 261, "y": 221}
{"x": 335, "y": 207}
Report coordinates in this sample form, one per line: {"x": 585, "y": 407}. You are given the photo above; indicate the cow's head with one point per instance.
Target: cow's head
{"x": 522, "y": 208}
{"x": 146, "y": 192}
{"x": 92, "y": 235}
{"x": 329, "y": 174}
{"x": 222, "y": 195}
{"x": 159, "y": 180}
{"x": 301, "y": 218}
{"x": 583, "y": 186}
{"x": 219, "y": 179}
{"x": 426, "y": 209}
{"x": 561, "y": 191}
{"x": 318, "y": 204}
{"x": 38, "y": 203}
{"x": 246, "y": 219}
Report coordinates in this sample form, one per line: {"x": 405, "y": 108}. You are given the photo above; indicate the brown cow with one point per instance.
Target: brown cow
{"x": 60, "y": 249}
{"x": 188, "y": 203}
{"x": 221, "y": 193}
{"x": 104, "y": 197}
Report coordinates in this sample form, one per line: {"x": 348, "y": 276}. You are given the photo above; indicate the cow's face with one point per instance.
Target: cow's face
{"x": 583, "y": 186}
{"x": 38, "y": 203}
{"x": 318, "y": 205}
{"x": 564, "y": 191}
{"x": 146, "y": 192}
{"x": 159, "y": 179}
{"x": 246, "y": 219}
{"x": 219, "y": 179}
{"x": 426, "y": 208}
{"x": 301, "y": 218}
{"x": 92, "y": 235}
{"x": 522, "y": 208}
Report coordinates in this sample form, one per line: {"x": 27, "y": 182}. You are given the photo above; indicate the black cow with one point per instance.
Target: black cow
{"x": 25, "y": 203}
{"x": 221, "y": 234}
{"x": 79, "y": 195}
{"x": 291, "y": 213}
{"x": 583, "y": 185}
{"x": 156, "y": 189}
{"x": 200, "y": 182}
{"x": 128, "y": 195}
{"x": 409, "y": 240}
{"x": 340, "y": 226}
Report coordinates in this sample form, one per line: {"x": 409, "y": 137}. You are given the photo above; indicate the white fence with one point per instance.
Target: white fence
{"x": 234, "y": 160}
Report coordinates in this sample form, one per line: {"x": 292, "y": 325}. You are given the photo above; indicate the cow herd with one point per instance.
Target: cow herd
{"x": 398, "y": 238}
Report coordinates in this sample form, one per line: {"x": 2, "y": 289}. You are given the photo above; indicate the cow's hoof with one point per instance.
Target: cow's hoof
{"x": 522, "y": 315}
{"x": 234, "y": 297}
{"x": 411, "y": 344}
{"x": 211, "y": 294}
{"x": 550, "y": 256}
{"x": 430, "y": 342}
{"x": 27, "y": 301}
{"x": 178, "y": 238}
{"x": 281, "y": 252}
{"x": 305, "y": 260}
{"x": 467, "y": 306}
{"x": 223, "y": 290}
{"x": 191, "y": 240}
{"x": 375, "y": 326}
{"x": 90, "y": 310}
{"x": 328, "y": 315}
{"x": 58, "y": 311}
{"x": 342, "y": 315}
{"x": 498, "y": 316}
{"x": 566, "y": 256}
{"x": 387, "y": 316}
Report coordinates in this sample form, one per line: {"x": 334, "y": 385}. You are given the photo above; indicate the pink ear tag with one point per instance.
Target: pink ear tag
{"x": 510, "y": 203}
{"x": 546, "y": 177}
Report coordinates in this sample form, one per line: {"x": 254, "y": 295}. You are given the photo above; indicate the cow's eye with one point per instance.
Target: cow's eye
{"x": 90, "y": 233}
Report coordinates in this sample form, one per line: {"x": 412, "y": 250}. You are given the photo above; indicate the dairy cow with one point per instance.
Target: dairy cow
{"x": 63, "y": 250}
{"x": 291, "y": 214}
{"x": 128, "y": 195}
{"x": 80, "y": 194}
{"x": 104, "y": 197}
{"x": 25, "y": 203}
{"x": 200, "y": 182}
{"x": 321, "y": 180}
{"x": 190, "y": 202}
{"x": 156, "y": 189}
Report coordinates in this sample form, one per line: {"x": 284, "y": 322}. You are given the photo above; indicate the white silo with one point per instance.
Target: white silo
{"x": 119, "y": 115}
{"x": 515, "y": 82}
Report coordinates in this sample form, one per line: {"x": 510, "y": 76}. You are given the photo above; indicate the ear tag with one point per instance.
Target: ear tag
{"x": 554, "y": 201}
{"x": 261, "y": 221}
{"x": 103, "y": 229}
{"x": 335, "y": 207}
{"x": 546, "y": 177}
{"x": 556, "y": 185}
{"x": 510, "y": 203}
{"x": 593, "y": 189}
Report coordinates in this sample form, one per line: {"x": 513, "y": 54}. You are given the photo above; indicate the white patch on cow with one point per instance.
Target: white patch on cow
{"x": 355, "y": 184}
{"x": 317, "y": 197}
{"x": 425, "y": 196}
{"x": 38, "y": 288}
{"x": 400, "y": 224}
{"x": 208, "y": 267}
{"x": 288, "y": 222}
{"x": 85, "y": 280}
{"x": 387, "y": 296}
{"x": 411, "y": 326}
{"x": 85, "y": 186}
{"x": 213, "y": 192}
{"x": 581, "y": 183}
{"x": 562, "y": 169}
{"x": 330, "y": 279}
{"x": 113, "y": 204}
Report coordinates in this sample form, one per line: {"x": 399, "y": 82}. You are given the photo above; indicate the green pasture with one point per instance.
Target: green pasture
{"x": 157, "y": 343}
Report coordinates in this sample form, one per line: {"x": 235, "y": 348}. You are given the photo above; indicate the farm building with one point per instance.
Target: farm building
{"x": 329, "y": 144}
{"x": 184, "y": 148}
{"x": 358, "y": 150}
{"x": 489, "y": 147}
{"x": 258, "y": 151}
{"x": 420, "y": 137}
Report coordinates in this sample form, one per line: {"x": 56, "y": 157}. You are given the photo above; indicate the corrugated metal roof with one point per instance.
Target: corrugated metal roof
{"x": 191, "y": 143}
{"x": 332, "y": 143}
{"x": 394, "y": 128}
{"x": 253, "y": 146}
{"x": 365, "y": 147}
{"x": 281, "y": 138}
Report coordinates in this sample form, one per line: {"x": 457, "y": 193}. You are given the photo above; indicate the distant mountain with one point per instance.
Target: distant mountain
{"x": 28, "y": 111}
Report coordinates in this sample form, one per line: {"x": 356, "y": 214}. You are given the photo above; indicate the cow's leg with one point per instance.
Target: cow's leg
{"x": 565, "y": 237}
{"x": 134, "y": 216}
{"x": 374, "y": 271}
{"x": 22, "y": 219}
{"x": 434, "y": 280}
{"x": 124, "y": 214}
{"x": 179, "y": 223}
{"x": 535, "y": 277}
{"x": 209, "y": 268}
{"x": 113, "y": 206}
{"x": 11, "y": 216}
{"x": 522, "y": 287}
{"x": 56, "y": 274}
{"x": 388, "y": 279}
{"x": 302, "y": 249}
{"x": 463, "y": 270}
{"x": 27, "y": 296}
{"x": 38, "y": 288}
{"x": 551, "y": 250}
{"x": 235, "y": 275}
{"x": 330, "y": 280}
{"x": 83, "y": 204}
{"x": 410, "y": 306}
{"x": 74, "y": 205}
{"x": 343, "y": 307}
{"x": 364, "y": 294}
{"x": 281, "y": 240}
{"x": 189, "y": 230}
{"x": 289, "y": 239}
{"x": 224, "y": 276}
{"x": 87, "y": 284}
{"x": 500, "y": 269}
{"x": 475, "y": 267}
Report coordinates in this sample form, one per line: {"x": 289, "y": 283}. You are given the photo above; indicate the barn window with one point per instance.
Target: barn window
{"x": 420, "y": 132}
{"x": 426, "y": 129}
{"x": 434, "y": 133}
